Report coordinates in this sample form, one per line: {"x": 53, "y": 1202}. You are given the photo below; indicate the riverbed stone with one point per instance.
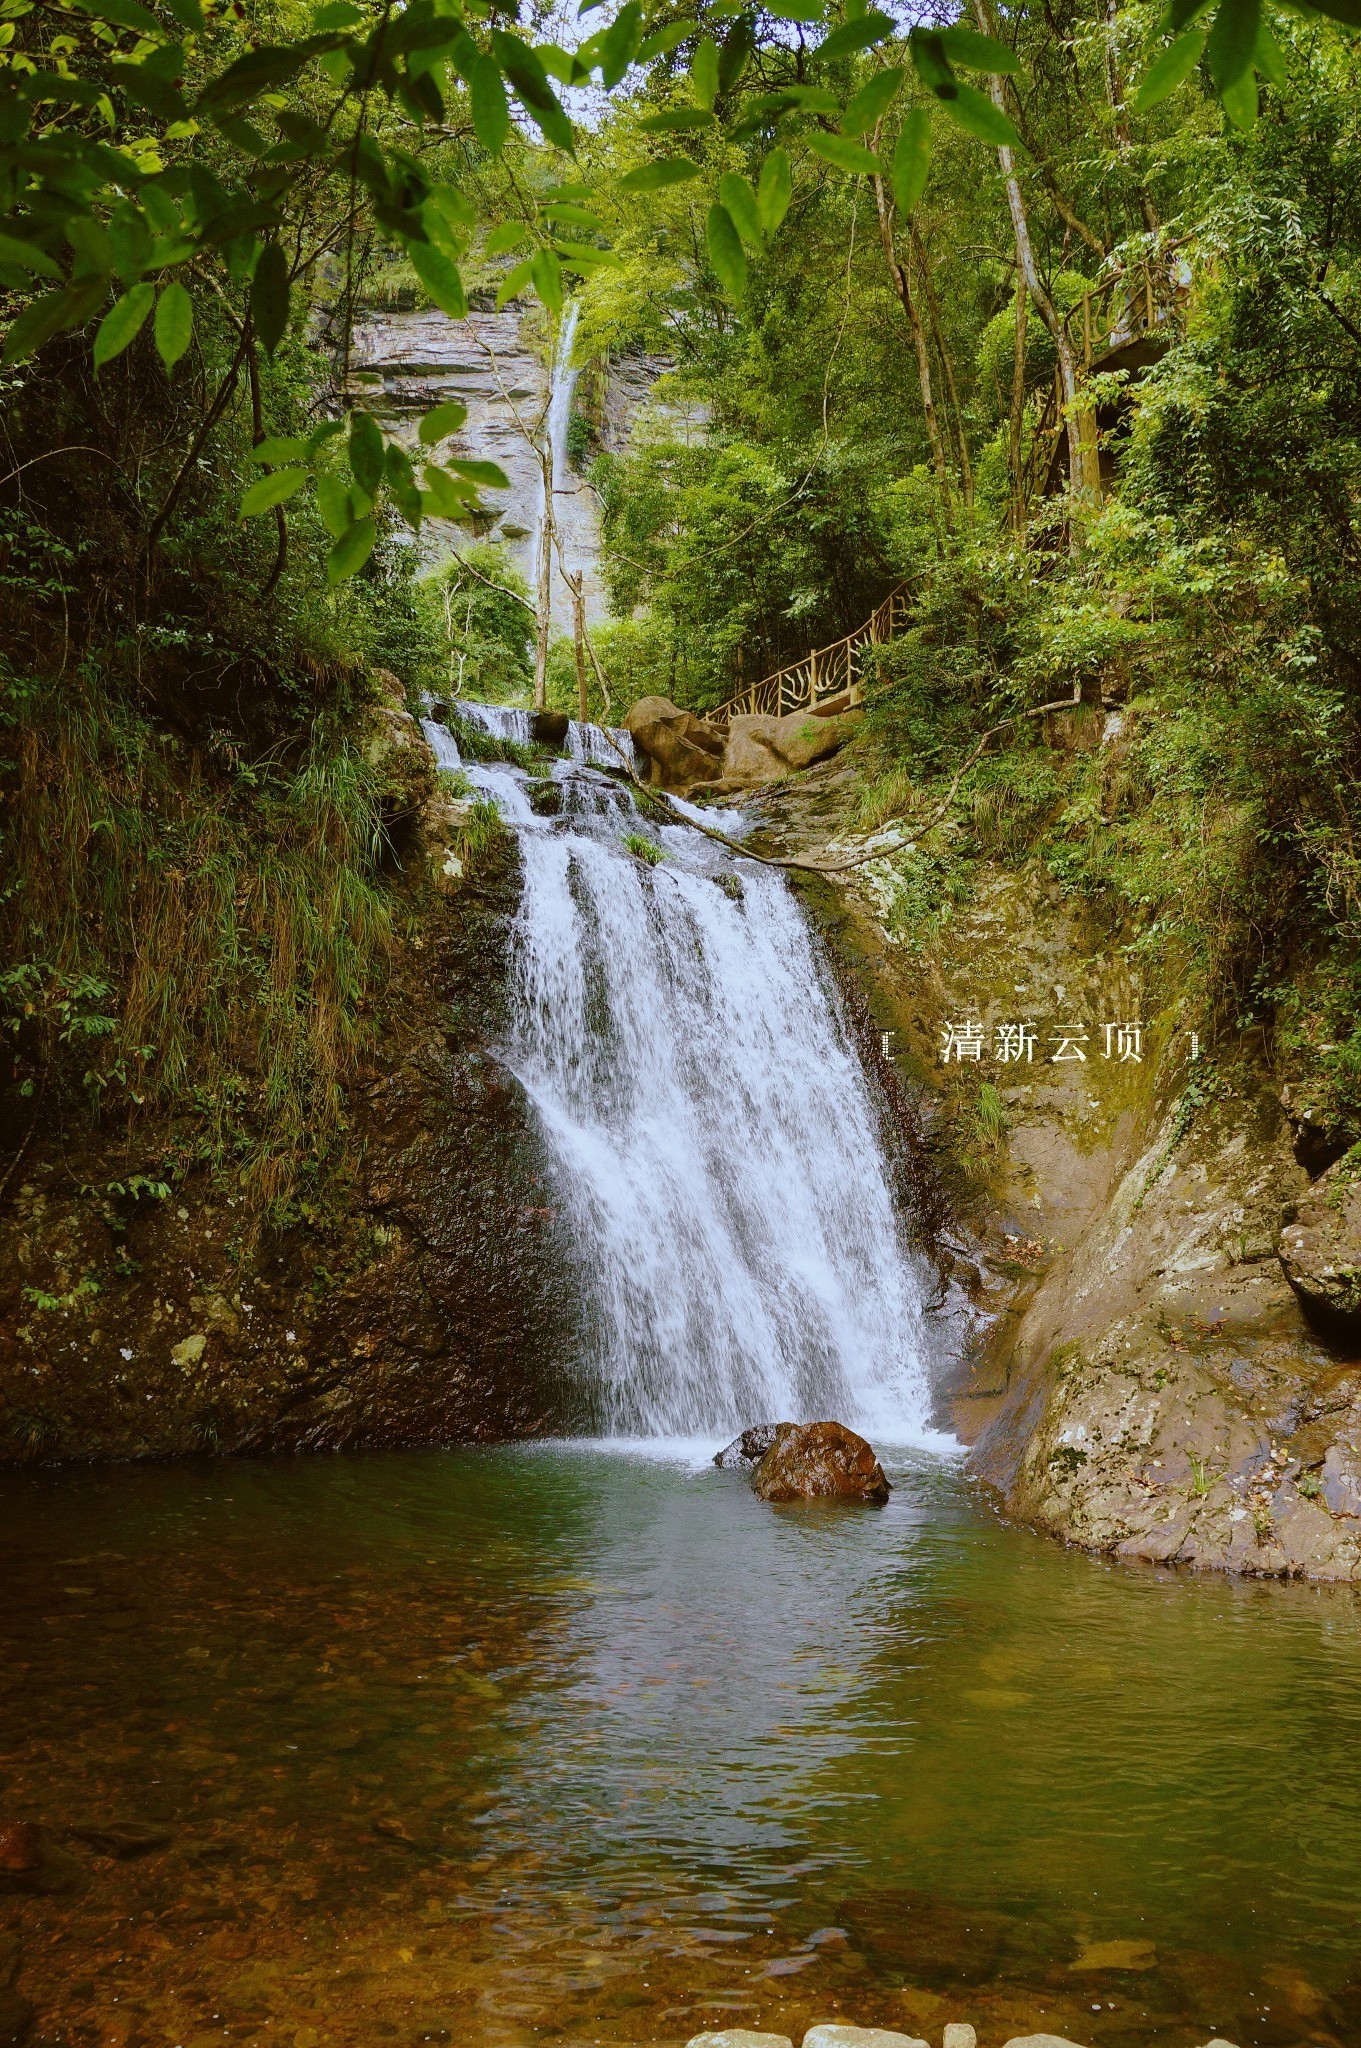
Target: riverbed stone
{"x": 958, "y": 2034}
{"x": 750, "y": 754}
{"x": 802, "y": 737}
{"x": 738, "y": 2037}
{"x": 1041, "y": 2041}
{"x": 820, "y": 1461}
{"x": 832, "y": 2034}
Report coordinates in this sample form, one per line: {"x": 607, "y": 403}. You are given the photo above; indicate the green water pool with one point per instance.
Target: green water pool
{"x": 566, "y": 1743}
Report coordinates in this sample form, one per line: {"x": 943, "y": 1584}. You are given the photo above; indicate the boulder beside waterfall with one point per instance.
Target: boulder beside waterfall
{"x": 807, "y": 1461}
{"x": 754, "y": 748}
{"x": 681, "y": 748}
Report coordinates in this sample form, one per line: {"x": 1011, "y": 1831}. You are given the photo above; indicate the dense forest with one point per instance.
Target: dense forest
{"x": 1054, "y": 318}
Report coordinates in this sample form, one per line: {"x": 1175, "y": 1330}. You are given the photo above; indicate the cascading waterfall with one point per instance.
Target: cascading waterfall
{"x": 712, "y": 1134}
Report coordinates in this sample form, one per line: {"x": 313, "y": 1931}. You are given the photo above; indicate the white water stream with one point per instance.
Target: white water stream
{"x": 715, "y": 1146}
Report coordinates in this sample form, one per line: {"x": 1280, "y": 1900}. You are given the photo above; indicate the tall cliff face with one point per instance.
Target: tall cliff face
{"x": 420, "y": 1292}
{"x": 1144, "y": 1381}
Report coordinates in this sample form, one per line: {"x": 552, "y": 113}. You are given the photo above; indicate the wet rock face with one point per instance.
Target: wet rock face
{"x": 819, "y": 1461}
{"x": 1321, "y": 1253}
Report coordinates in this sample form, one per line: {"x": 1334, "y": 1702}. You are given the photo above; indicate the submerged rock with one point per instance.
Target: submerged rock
{"x": 747, "y": 1450}
{"x": 738, "y": 2037}
{"x": 820, "y": 1461}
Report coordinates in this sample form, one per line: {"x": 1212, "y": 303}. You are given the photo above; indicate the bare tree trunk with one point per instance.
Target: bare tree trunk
{"x": 1018, "y": 507}
{"x": 575, "y": 584}
{"x": 903, "y": 286}
{"x": 946, "y": 362}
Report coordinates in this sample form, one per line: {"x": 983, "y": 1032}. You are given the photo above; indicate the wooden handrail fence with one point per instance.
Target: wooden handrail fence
{"x": 825, "y": 674}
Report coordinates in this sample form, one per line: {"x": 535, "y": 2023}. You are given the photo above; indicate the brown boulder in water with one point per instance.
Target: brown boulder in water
{"x": 820, "y": 1461}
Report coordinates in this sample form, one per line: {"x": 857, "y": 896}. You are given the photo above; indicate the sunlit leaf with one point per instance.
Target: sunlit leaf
{"x": 1230, "y": 45}
{"x": 366, "y": 452}
{"x": 726, "y": 252}
{"x": 619, "y": 44}
{"x": 122, "y": 323}
{"x": 488, "y": 475}
{"x": 911, "y": 161}
{"x": 774, "y": 191}
{"x": 546, "y": 273}
{"x": 271, "y": 491}
{"x": 1239, "y": 101}
{"x": 333, "y": 503}
{"x": 1170, "y": 70}
{"x": 668, "y": 170}
{"x": 1269, "y": 58}
{"x": 174, "y": 323}
{"x": 964, "y": 45}
{"x": 975, "y": 113}
{"x": 740, "y": 201}
{"x": 488, "y": 106}
{"x": 844, "y": 153}
{"x": 872, "y": 102}
{"x": 676, "y": 120}
{"x": 440, "y": 277}
{"x": 442, "y": 421}
{"x": 704, "y": 72}
{"x": 351, "y": 551}
{"x": 514, "y": 282}
{"x": 665, "y": 40}
{"x": 860, "y": 34}
{"x": 279, "y": 448}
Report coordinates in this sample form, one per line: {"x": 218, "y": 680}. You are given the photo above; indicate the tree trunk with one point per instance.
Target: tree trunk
{"x": 579, "y": 643}
{"x": 947, "y": 364}
{"x": 1084, "y": 466}
{"x": 1018, "y": 411}
{"x": 903, "y": 286}
{"x": 1115, "y": 87}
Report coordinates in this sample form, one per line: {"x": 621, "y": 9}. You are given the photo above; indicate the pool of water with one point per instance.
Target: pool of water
{"x": 561, "y": 1743}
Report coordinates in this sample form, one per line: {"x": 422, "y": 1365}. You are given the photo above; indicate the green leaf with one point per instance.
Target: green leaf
{"x": 333, "y": 503}
{"x": 487, "y": 104}
{"x": 123, "y": 322}
{"x": 514, "y": 282}
{"x": 911, "y": 161}
{"x": 845, "y": 154}
{"x": 126, "y": 13}
{"x": 25, "y": 257}
{"x": 444, "y": 420}
{"x": 774, "y": 191}
{"x": 1269, "y": 59}
{"x": 188, "y": 14}
{"x": 963, "y": 45}
{"x": 665, "y": 40}
{"x": 351, "y": 551}
{"x": 726, "y": 252}
{"x": 872, "y": 101}
{"x": 800, "y": 10}
{"x": 975, "y": 113}
{"x": 1337, "y": 10}
{"x": 530, "y": 81}
{"x": 280, "y": 448}
{"x": 366, "y": 452}
{"x": 1239, "y": 101}
{"x": 667, "y": 170}
{"x": 447, "y": 498}
{"x": 676, "y": 120}
{"x": 508, "y": 236}
{"x": 1180, "y": 15}
{"x": 402, "y": 483}
{"x": 546, "y": 272}
{"x": 1232, "y": 40}
{"x": 585, "y": 256}
{"x": 860, "y": 34}
{"x": 272, "y": 490}
{"x": 704, "y": 72}
{"x": 440, "y": 278}
{"x": 174, "y": 323}
{"x": 740, "y": 202}
{"x": 932, "y": 65}
{"x": 619, "y": 44}
{"x": 1170, "y": 70}
{"x": 736, "y": 52}
{"x": 269, "y": 293}
{"x": 489, "y": 474}
{"x": 52, "y": 314}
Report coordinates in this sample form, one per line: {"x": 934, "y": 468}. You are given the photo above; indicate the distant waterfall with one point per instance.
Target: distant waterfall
{"x": 714, "y": 1144}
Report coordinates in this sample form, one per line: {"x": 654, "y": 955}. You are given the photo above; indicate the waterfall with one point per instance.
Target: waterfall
{"x": 561, "y": 390}
{"x": 714, "y": 1143}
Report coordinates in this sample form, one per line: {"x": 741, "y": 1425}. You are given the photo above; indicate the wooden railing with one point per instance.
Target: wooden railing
{"x": 823, "y": 675}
